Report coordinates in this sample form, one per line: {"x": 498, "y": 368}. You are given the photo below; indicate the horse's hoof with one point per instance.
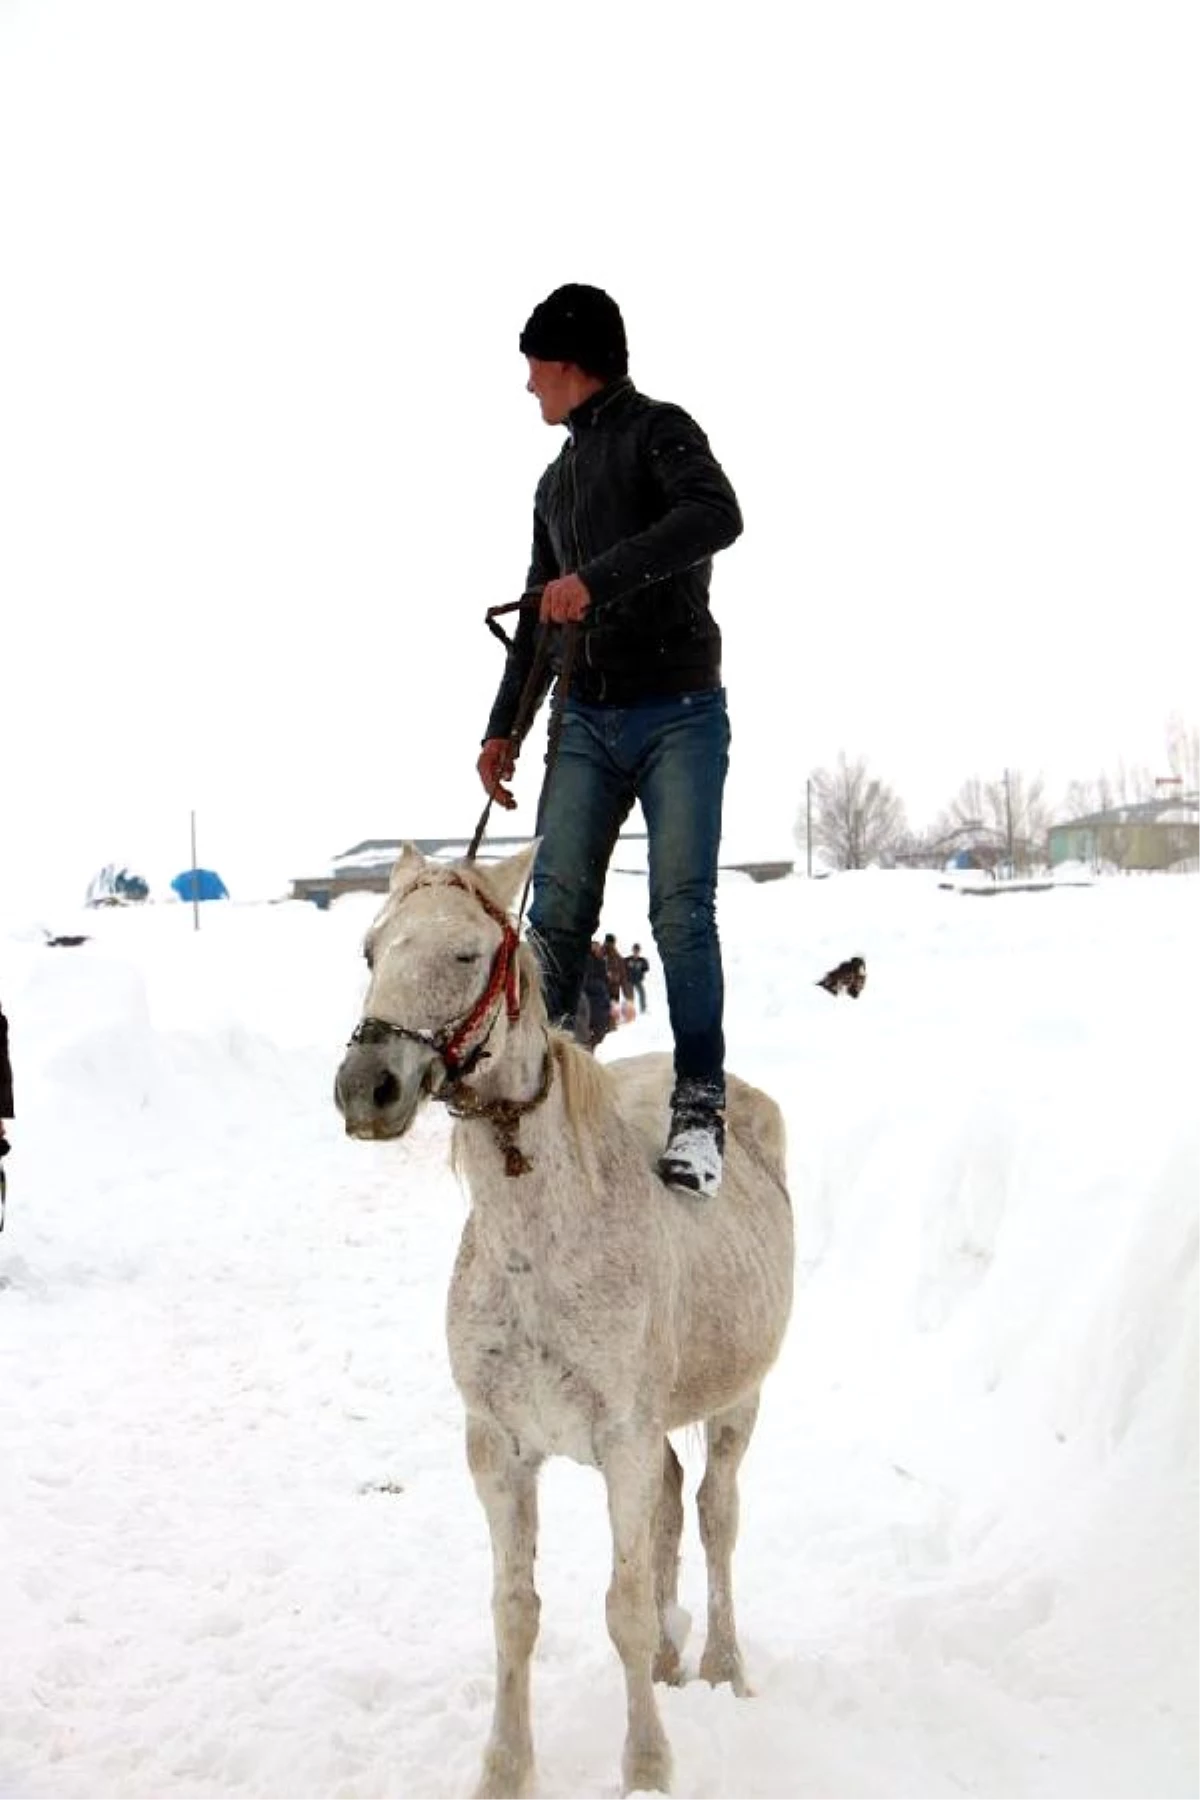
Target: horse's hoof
{"x": 667, "y": 1667}
{"x": 504, "y": 1778}
{"x": 503, "y": 1790}
{"x": 648, "y": 1772}
{"x": 718, "y": 1668}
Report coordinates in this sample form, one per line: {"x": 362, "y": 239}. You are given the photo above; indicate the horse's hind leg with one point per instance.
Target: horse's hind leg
{"x": 668, "y": 1529}
{"x": 728, "y": 1434}
{"x": 507, "y": 1486}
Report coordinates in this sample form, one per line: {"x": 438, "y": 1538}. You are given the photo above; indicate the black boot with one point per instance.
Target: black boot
{"x": 695, "y": 1151}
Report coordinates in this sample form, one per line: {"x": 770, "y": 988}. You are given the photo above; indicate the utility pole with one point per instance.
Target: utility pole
{"x": 1012, "y": 868}
{"x": 195, "y": 880}
{"x": 808, "y": 823}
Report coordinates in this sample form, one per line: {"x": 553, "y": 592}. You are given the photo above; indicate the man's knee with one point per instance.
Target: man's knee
{"x": 684, "y": 925}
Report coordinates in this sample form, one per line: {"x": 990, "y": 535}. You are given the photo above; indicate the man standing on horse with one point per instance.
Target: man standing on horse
{"x": 626, "y": 521}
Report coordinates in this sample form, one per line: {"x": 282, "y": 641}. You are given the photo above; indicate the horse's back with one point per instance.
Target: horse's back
{"x": 752, "y": 1119}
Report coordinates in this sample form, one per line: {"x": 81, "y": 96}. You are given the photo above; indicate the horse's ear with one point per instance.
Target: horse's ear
{"x": 406, "y": 868}
{"x": 506, "y": 880}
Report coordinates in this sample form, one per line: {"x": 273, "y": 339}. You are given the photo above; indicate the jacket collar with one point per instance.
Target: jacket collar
{"x": 595, "y": 408}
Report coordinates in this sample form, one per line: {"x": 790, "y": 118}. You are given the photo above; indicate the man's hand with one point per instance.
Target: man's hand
{"x": 565, "y": 600}
{"x": 497, "y": 764}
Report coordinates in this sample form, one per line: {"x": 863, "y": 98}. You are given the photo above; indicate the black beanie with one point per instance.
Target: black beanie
{"x": 581, "y": 325}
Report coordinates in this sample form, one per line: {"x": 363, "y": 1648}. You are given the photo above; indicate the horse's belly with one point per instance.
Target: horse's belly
{"x": 725, "y": 1355}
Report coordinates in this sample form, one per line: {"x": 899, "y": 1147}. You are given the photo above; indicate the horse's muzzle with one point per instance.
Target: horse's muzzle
{"x": 379, "y": 1087}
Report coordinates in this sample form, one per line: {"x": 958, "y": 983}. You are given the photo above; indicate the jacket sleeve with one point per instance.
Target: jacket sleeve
{"x": 6, "y": 1083}
{"x": 543, "y": 564}
{"x": 700, "y": 512}
{"x": 543, "y": 567}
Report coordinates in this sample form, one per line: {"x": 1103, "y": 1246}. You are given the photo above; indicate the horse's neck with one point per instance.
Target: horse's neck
{"x": 561, "y": 1178}
{"x": 516, "y": 1073}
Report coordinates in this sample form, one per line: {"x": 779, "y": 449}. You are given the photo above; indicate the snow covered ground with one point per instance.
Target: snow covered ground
{"x": 241, "y": 1554}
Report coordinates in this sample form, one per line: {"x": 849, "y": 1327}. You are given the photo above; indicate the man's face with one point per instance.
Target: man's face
{"x": 555, "y": 387}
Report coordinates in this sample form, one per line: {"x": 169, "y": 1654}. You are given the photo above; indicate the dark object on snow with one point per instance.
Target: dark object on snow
{"x": 849, "y": 977}
{"x": 68, "y": 939}
{"x": 6, "y": 1078}
{"x": 6, "y": 1110}
{"x": 6, "y": 1107}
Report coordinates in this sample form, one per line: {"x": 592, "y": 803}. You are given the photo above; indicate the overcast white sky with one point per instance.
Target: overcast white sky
{"x": 927, "y": 275}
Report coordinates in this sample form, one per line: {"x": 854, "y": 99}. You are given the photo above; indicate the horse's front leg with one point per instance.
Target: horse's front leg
{"x": 507, "y": 1486}
{"x": 632, "y": 1462}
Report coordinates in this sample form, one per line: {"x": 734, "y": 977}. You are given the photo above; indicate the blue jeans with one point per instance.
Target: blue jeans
{"x": 672, "y": 756}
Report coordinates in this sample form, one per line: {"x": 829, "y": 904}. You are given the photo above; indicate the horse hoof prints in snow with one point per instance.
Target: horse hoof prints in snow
{"x": 592, "y": 1310}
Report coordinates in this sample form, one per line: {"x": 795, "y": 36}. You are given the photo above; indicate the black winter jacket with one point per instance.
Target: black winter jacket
{"x": 636, "y": 505}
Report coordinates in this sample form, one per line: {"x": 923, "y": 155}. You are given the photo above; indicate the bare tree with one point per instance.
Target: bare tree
{"x": 1132, "y": 782}
{"x": 857, "y": 819}
{"x": 1183, "y": 751}
{"x": 1005, "y": 820}
{"x": 1081, "y": 799}
{"x": 1123, "y": 785}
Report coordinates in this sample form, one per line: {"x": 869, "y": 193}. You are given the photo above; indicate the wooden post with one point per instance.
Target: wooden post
{"x": 195, "y": 881}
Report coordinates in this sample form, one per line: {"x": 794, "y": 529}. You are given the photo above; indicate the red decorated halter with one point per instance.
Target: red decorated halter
{"x": 501, "y": 980}
{"x": 450, "y": 1040}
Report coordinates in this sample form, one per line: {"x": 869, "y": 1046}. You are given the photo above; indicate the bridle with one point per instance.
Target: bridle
{"x": 449, "y": 1040}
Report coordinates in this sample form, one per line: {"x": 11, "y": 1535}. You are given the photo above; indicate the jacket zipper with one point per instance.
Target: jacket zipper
{"x": 574, "y": 504}
{"x": 573, "y": 452}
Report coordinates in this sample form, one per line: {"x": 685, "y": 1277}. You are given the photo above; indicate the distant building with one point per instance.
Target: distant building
{"x": 763, "y": 871}
{"x": 366, "y": 868}
{"x": 1150, "y": 834}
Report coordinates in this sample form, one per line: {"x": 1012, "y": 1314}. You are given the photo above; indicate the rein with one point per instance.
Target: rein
{"x": 448, "y": 1043}
{"x": 532, "y": 695}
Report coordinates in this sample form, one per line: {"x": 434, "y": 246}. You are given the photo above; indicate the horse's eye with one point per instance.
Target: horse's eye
{"x": 467, "y": 956}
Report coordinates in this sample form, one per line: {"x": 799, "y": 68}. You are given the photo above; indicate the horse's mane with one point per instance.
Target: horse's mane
{"x": 586, "y": 1084}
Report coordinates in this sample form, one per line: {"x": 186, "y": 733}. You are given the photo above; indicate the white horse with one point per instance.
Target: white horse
{"x": 592, "y": 1310}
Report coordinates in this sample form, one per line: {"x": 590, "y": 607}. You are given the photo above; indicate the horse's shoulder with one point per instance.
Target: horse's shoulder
{"x": 649, "y": 1073}
{"x": 641, "y": 1087}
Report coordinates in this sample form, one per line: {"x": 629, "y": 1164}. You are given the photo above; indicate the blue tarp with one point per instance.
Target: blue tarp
{"x": 200, "y": 884}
